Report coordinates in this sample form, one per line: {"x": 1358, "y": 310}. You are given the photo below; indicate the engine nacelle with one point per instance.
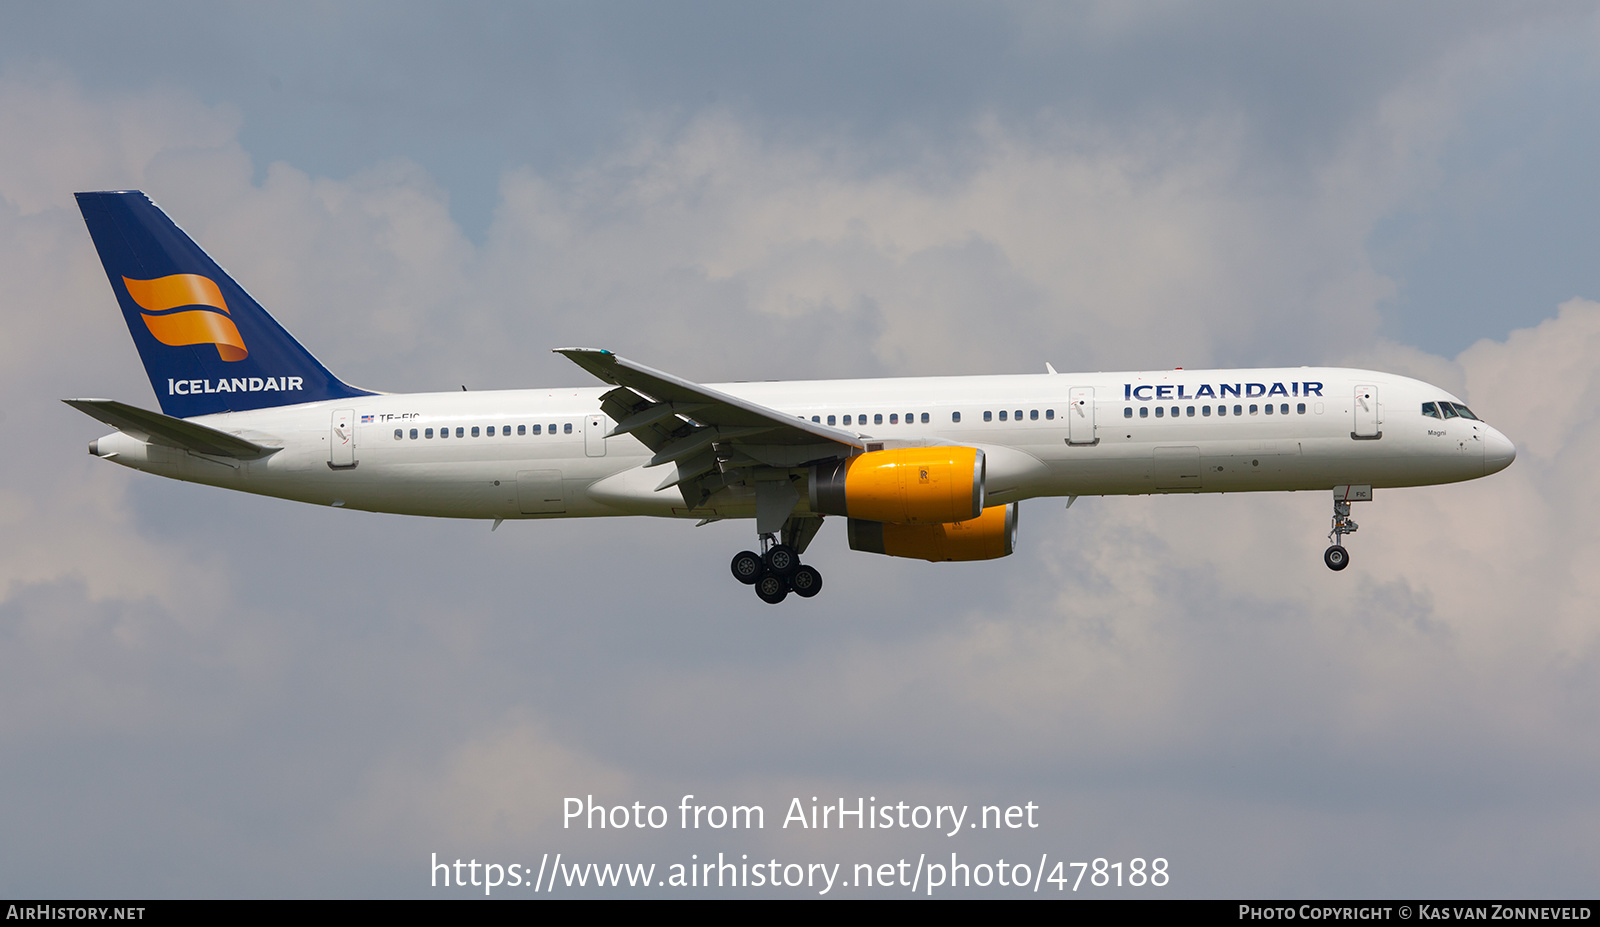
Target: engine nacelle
{"x": 992, "y": 534}
{"x": 903, "y": 486}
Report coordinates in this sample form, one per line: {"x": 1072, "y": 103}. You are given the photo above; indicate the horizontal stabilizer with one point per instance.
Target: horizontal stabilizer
{"x": 164, "y": 429}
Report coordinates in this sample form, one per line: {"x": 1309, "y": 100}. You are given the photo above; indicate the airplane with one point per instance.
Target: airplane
{"x": 930, "y": 468}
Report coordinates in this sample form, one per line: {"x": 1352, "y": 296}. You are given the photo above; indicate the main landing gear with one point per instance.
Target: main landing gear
{"x": 777, "y": 570}
{"x": 1336, "y": 557}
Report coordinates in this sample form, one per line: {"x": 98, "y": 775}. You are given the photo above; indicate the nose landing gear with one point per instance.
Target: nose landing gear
{"x": 1336, "y": 557}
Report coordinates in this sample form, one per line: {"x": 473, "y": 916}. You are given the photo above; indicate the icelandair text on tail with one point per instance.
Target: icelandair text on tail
{"x": 234, "y": 385}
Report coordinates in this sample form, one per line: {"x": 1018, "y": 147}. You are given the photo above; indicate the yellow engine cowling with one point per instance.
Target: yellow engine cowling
{"x": 992, "y": 534}
{"x": 903, "y": 486}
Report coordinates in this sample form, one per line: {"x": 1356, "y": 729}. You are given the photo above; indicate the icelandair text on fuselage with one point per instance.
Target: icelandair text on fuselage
{"x": 862, "y": 814}
{"x": 234, "y": 385}
{"x": 1165, "y": 391}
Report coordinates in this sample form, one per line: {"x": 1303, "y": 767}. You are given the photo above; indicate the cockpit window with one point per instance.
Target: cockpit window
{"x": 1431, "y": 410}
{"x": 1463, "y": 411}
{"x": 1448, "y": 409}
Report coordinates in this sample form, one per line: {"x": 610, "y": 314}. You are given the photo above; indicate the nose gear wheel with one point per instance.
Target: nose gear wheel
{"x": 1336, "y": 557}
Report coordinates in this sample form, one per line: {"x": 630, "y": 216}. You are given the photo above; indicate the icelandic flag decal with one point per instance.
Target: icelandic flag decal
{"x": 366, "y": 419}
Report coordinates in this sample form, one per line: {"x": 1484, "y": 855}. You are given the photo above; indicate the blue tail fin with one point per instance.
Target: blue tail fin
{"x": 207, "y": 346}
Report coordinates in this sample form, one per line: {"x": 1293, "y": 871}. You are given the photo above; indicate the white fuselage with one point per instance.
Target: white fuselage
{"x": 549, "y": 457}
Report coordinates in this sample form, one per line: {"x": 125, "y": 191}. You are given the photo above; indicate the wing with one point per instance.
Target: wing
{"x": 706, "y": 433}
{"x": 173, "y": 432}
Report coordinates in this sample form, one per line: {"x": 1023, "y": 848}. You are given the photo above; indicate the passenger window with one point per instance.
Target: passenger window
{"x": 505, "y": 431}
{"x": 1002, "y": 415}
{"x": 398, "y": 434}
{"x": 460, "y": 432}
{"x": 894, "y": 418}
{"x": 474, "y": 431}
{"x": 1222, "y": 410}
{"x": 413, "y": 434}
{"x": 428, "y": 434}
{"x": 1253, "y": 409}
{"x": 1127, "y": 411}
{"x": 1049, "y": 414}
{"x": 491, "y": 431}
{"x": 1269, "y": 408}
{"x": 847, "y": 419}
{"x": 522, "y": 430}
{"x": 1144, "y": 411}
{"x": 989, "y": 416}
{"x": 1161, "y": 411}
{"x": 877, "y": 419}
{"x": 831, "y": 421}
{"x": 1019, "y": 415}
{"x": 817, "y": 419}
{"x": 1300, "y": 408}
{"x": 925, "y": 418}
{"x": 552, "y": 427}
{"x": 1174, "y": 411}
{"x": 1238, "y": 410}
{"x": 565, "y": 429}
{"x": 1283, "y": 409}
{"x": 537, "y": 429}
{"x": 955, "y": 417}
{"x": 444, "y": 433}
{"x": 1205, "y": 411}
{"x": 1033, "y": 415}
{"x": 1189, "y": 411}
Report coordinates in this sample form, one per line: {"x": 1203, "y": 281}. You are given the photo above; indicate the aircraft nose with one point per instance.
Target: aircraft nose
{"x": 1498, "y": 452}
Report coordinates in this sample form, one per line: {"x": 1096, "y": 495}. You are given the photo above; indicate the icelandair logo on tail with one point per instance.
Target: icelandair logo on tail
{"x": 171, "y": 313}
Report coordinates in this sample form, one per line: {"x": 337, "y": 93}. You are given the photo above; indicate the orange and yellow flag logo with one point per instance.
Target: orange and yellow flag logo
{"x": 160, "y": 296}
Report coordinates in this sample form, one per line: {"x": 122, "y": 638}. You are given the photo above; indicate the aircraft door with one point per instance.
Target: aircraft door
{"x": 342, "y": 440}
{"x": 1366, "y": 413}
{"x": 594, "y": 436}
{"x": 1080, "y": 415}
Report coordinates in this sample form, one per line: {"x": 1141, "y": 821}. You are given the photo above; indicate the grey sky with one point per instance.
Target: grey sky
{"x": 214, "y": 694}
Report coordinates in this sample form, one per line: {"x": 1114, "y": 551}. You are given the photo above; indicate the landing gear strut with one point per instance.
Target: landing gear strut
{"x": 1336, "y": 557}
{"x": 777, "y": 570}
